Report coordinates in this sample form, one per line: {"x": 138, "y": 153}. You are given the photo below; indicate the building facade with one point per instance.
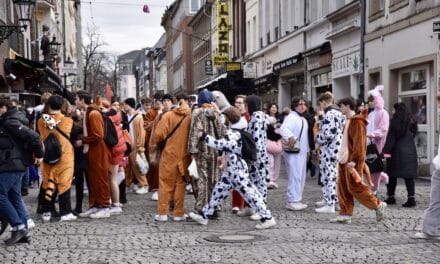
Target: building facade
{"x": 127, "y": 75}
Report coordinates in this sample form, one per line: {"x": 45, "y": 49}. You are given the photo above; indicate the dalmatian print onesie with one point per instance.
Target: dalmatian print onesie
{"x": 331, "y": 125}
{"x": 258, "y": 172}
{"x": 234, "y": 176}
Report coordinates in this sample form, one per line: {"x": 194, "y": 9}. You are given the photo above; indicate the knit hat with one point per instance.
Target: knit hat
{"x": 205, "y": 97}
{"x": 167, "y": 97}
{"x": 131, "y": 102}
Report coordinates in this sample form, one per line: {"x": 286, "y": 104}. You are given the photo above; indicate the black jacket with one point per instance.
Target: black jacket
{"x": 18, "y": 143}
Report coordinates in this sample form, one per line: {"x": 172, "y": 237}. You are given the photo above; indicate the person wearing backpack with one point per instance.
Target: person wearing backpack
{"x": 137, "y": 135}
{"x": 235, "y": 176}
{"x": 18, "y": 145}
{"x": 57, "y": 168}
{"x": 98, "y": 158}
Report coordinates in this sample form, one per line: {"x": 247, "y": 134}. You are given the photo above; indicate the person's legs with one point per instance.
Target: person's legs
{"x": 64, "y": 202}
{"x": 346, "y": 202}
{"x": 431, "y": 223}
{"x": 219, "y": 194}
{"x": 277, "y": 167}
{"x": 79, "y": 189}
{"x": 179, "y": 197}
{"x": 10, "y": 189}
{"x": 114, "y": 188}
{"x": 410, "y": 187}
{"x": 166, "y": 184}
{"x": 391, "y": 186}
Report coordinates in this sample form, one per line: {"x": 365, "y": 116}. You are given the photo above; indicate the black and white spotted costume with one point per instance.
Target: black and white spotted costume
{"x": 331, "y": 125}
{"x": 258, "y": 172}
{"x": 234, "y": 176}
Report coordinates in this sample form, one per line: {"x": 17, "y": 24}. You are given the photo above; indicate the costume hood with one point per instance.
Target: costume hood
{"x": 205, "y": 97}
{"x": 254, "y": 104}
{"x": 220, "y": 100}
{"x": 376, "y": 93}
{"x": 183, "y": 109}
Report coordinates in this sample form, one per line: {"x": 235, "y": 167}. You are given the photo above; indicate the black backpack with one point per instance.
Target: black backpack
{"x": 248, "y": 147}
{"x": 110, "y": 134}
{"x": 52, "y": 149}
{"x": 8, "y": 149}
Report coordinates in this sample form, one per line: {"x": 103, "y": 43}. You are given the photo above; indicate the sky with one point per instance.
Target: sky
{"x": 122, "y": 23}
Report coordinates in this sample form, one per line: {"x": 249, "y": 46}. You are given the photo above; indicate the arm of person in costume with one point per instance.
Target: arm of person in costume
{"x": 139, "y": 133}
{"x": 196, "y": 126}
{"x": 161, "y": 129}
{"x": 23, "y": 133}
{"x": 224, "y": 144}
{"x": 381, "y": 128}
{"x": 95, "y": 133}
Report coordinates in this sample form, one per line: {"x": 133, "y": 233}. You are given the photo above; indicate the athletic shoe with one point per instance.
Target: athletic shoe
{"x": 88, "y": 212}
{"x": 343, "y": 219}
{"x": 68, "y": 217}
{"x": 142, "y": 190}
{"x": 326, "y": 209}
{"x": 198, "y": 218}
{"x": 255, "y": 217}
{"x": 421, "y": 235}
{"x": 155, "y": 196}
{"x": 235, "y": 210}
{"x": 380, "y": 211}
{"x": 30, "y": 223}
{"x": 161, "y": 218}
{"x": 101, "y": 213}
{"x": 247, "y": 211}
{"x": 117, "y": 210}
{"x": 46, "y": 217}
{"x": 390, "y": 200}
{"x": 180, "y": 218}
{"x": 266, "y": 224}
{"x": 296, "y": 206}
{"x": 134, "y": 187}
{"x": 320, "y": 203}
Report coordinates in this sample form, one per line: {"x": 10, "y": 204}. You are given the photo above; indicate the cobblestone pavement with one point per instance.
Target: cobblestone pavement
{"x": 298, "y": 237}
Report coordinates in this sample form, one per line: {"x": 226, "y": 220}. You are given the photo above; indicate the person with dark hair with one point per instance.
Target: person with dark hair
{"x": 331, "y": 124}
{"x": 401, "y": 153}
{"x": 18, "y": 145}
{"x": 294, "y": 132}
{"x": 57, "y": 178}
{"x": 273, "y": 144}
{"x": 347, "y": 106}
{"x": 235, "y": 176}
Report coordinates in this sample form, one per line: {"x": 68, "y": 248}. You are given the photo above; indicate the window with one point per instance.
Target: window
{"x": 3, "y": 10}
{"x": 414, "y": 80}
{"x": 397, "y": 4}
{"x": 376, "y": 9}
{"x": 196, "y": 5}
{"x": 177, "y": 47}
{"x": 268, "y": 38}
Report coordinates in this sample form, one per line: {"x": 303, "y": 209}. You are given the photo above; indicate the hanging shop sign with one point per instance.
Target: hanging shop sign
{"x": 222, "y": 55}
{"x": 346, "y": 65}
{"x": 208, "y": 67}
{"x": 233, "y": 66}
{"x": 249, "y": 70}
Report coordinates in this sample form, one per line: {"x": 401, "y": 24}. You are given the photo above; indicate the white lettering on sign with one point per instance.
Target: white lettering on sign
{"x": 346, "y": 65}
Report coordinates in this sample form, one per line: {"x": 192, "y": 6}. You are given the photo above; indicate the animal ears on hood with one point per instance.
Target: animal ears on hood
{"x": 98, "y": 100}
{"x": 377, "y": 91}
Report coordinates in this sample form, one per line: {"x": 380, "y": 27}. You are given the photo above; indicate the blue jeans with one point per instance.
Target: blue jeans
{"x": 11, "y": 204}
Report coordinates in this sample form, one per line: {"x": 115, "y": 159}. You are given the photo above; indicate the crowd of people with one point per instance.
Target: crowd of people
{"x": 237, "y": 150}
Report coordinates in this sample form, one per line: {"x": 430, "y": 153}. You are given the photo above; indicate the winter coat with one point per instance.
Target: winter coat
{"x": 25, "y": 142}
{"x": 403, "y": 162}
{"x": 379, "y": 121}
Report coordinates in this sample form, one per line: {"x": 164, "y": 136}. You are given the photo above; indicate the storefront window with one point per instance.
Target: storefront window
{"x": 417, "y": 107}
{"x": 414, "y": 80}
{"x": 421, "y": 141}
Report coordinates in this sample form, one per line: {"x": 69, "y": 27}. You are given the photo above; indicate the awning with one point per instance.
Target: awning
{"x": 205, "y": 85}
{"x": 287, "y": 62}
{"x": 264, "y": 80}
{"x": 323, "y": 48}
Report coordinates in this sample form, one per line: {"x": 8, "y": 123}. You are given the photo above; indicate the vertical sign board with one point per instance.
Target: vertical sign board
{"x": 222, "y": 55}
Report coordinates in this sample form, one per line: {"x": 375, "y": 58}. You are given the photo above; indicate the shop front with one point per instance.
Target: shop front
{"x": 345, "y": 75}
{"x": 266, "y": 87}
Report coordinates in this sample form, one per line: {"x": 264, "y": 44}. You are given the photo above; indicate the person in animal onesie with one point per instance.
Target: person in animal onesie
{"x": 174, "y": 160}
{"x": 57, "y": 178}
{"x": 205, "y": 118}
{"x": 234, "y": 176}
{"x": 377, "y": 129}
{"x": 153, "y": 171}
{"x": 98, "y": 157}
{"x": 352, "y": 168}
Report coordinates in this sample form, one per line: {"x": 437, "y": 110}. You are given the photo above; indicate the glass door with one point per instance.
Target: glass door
{"x": 414, "y": 92}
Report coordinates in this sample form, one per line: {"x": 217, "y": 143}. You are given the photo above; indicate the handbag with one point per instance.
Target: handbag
{"x": 373, "y": 159}
{"x": 142, "y": 163}
{"x": 274, "y": 147}
{"x": 295, "y": 149}
{"x": 192, "y": 169}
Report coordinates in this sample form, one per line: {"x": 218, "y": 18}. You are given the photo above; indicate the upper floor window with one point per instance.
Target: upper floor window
{"x": 397, "y": 4}
{"x": 195, "y": 5}
{"x": 376, "y": 9}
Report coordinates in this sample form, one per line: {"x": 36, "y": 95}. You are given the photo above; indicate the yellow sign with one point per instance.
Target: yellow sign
{"x": 222, "y": 33}
{"x": 233, "y": 66}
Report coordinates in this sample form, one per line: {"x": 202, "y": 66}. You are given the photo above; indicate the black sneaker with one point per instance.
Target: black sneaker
{"x": 410, "y": 203}
{"x": 390, "y": 200}
{"x": 16, "y": 236}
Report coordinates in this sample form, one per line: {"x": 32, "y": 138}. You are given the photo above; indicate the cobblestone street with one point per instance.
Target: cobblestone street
{"x": 298, "y": 237}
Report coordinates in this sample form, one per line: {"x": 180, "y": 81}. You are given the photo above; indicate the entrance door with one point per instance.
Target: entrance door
{"x": 414, "y": 92}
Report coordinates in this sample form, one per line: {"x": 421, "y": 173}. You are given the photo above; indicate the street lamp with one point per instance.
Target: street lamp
{"x": 25, "y": 9}
{"x": 54, "y": 46}
{"x": 65, "y": 75}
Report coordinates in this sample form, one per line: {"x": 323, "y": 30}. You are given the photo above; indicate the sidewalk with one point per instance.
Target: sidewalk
{"x": 298, "y": 237}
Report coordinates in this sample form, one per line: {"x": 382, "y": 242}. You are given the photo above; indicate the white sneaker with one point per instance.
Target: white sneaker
{"x": 117, "y": 210}
{"x": 380, "y": 211}
{"x": 88, "y": 212}
{"x": 68, "y": 217}
{"x": 266, "y": 224}
{"x": 247, "y": 211}
{"x": 142, "y": 190}
{"x": 134, "y": 187}
{"x": 46, "y": 217}
{"x": 161, "y": 218}
{"x": 255, "y": 217}
{"x": 155, "y": 196}
{"x": 421, "y": 235}
{"x": 198, "y": 218}
{"x": 101, "y": 213}
{"x": 180, "y": 218}
{"x": 320, "y": 203}
{"x": 296, "y": 206}
{"x": 235, "y": 210}
{"x": 326, "y": 209}
{"x": 343, "y": 219}
{"x": 30, "y": 223}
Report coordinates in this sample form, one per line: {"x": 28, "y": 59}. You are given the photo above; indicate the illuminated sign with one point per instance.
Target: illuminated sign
{"x": 222, "y": 55}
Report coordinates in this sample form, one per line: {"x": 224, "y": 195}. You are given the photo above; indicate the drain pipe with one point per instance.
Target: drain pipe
{"x": 362, "y": 52}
